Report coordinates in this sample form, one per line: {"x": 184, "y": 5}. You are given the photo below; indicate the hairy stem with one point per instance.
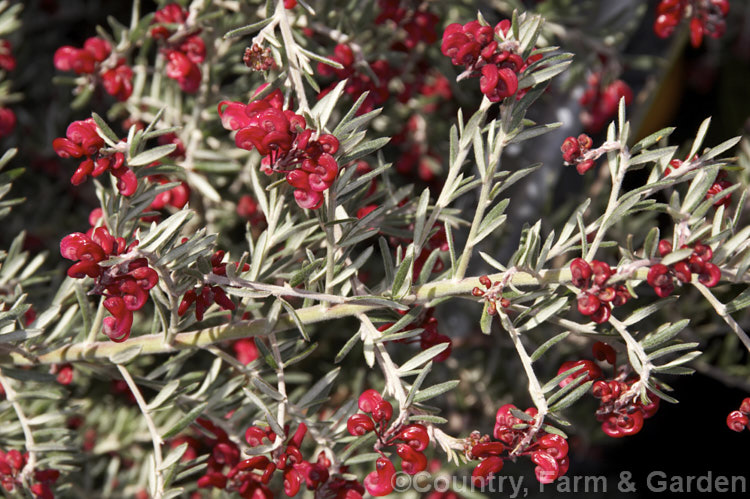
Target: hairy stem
{"x": 347, "y": 307}
{"x": 280, "y": 381}
{"x": 155, "y": 437}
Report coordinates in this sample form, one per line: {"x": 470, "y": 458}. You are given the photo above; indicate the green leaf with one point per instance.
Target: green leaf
{"x": 125, "y": 356}
{"x": 428, "y": 418}
{"x": 651, "y": 244}
{"x": 249, "y": 29}
{"x": 492, "y": 220}
{"x": 293, "y": 313}
{"x": 702, "y": 130}
{"x": 676, "y": 256}
{"x": 318, "y": 388}
{"x": 723, "y": 147}
{"x": 347, "y": 348}
{"x": 422, "y": 358}
{"x": 572, "y": 397}
{"x": 652, "y": 388}
{"x": 365, "y": 440}
{"x": 653, "y": 156}
{"x": 105, "y": 129}
{"x": 677, "y": 362}
{"x": 266, "y": 388}
{"x": 542, "y": 75}
{"x": 559, "y": 394}
{"x": 149, "y": 156}
{"x": 404, "y": 321}
{"x": 421, "y": 214}
{"x": 650, "y": 140}
{"x": 665, "y": 333}
{"x": 270, "y": 419}
{"x": 435, "y": 390}
{"x": 740, "y": 302}
{"x": 542, "y": 314}
{"x": 678, "y": 347}
{"x": 164, "y": 394}
{"x": 302, "y": 355}
{"x": 542, "y": 349}
{"x": 364, "y": 149}
{"x": 368, "y": 457}
{"x": 417, "y": 385}
{"x": 403, "y": 277}
{"x": 173, "y": 456}
{"x": 325, "y": 106}
{"x": 186, "y": 420}
{"x": 644, "y": 312}
{"x": 557, "y": 379}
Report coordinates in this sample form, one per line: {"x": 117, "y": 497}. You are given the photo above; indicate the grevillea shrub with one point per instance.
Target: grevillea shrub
{"x": 268, "y": 249}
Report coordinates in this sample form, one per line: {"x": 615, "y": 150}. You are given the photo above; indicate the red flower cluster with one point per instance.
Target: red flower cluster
{"x": 82, "y": 139}
{"x": 419, "y": 25}
{"x": 415, "y": 159}
{"x": 7, "y": 121}
{"x": 601, "y": 102}
{"x": 601, "y": 351}
{"x": 284, "y": 139}
{"x": 719, "y": 184}
{"x": 204, "y": 295}
{"x": 7, "y": 63}
{"x": 621, "y": 412}
{"x": 245, "y": 350}
{"x": 184, "y": 54}
{"x": 410, "y": 441}
{"x": 548, "y": 451}
{"x": 661, "y": 277}
{"x": 249, "y": 209}
{"x": 574, "y": 152}
{"x": 597, "y": 299}
{"x": 126, "y": 284}
{"x": 176, "y": 197}
{"x": 64, "y": 373}
{"x": 95, "y": 59}
{"x": 486, "y": 52}
{"x": 12, "y": 464}
{"x": 706, "y": 18}
{"x": 428, "y": 338}
{"x": 592, "y": 370}
{"x": 738, "y": 420}
{"x": 358, "y": 83}
{"x": 250, "y": 477}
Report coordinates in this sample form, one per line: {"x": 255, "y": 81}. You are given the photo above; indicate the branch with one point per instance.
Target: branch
{"x": 535, "y": 388}
{"x": 721, "y": 310}
{"x": 155, "y": 437}
{"x": 154, "y": 344}
{"x": 11, "y": 396}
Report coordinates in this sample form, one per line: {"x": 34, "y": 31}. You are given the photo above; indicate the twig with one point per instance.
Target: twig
{"x": 12, "y": 397}
{"x": 155, "y": 437}
{"x": 721, "y": 309}
{"x": 154, "y": 343}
